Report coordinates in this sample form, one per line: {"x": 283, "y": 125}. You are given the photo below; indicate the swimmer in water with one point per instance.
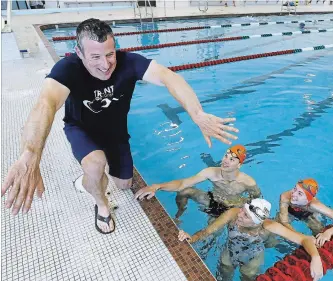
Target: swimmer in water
{"x": 301, "y": 203}
{"x": 248, "y": 229}
{"x": 229, "y": 183}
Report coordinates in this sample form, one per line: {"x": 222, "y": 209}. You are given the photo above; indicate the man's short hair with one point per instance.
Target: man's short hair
{"x": 93, "y": 29}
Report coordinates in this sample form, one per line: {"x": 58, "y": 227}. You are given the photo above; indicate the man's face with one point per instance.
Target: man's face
{"x": 230, "y": 163}
{"x": 298, "y": 196}
{"x": 98, "y": 58}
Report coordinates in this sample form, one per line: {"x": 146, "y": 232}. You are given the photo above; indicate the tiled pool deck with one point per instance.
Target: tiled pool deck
{"x": 57, "y": 240}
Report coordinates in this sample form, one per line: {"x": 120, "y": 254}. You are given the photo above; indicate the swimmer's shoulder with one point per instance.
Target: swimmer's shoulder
{"x": 213, "y": 173}
{"x": 285, "y": 197}
{"x": 245, "y": 179}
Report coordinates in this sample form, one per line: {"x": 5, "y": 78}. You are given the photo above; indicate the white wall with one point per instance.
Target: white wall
{"x": 50, "y": 4}
{"x": 90, "y": 3}
{"x": 172, "y": 3}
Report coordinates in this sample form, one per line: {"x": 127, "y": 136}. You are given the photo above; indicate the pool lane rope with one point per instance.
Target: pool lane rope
{"x": 168, "y": 45}
{"x": 247, "y": 57}
{"x": 296, "y": 266}
{"x": 241, "y": 58}
{"x": 63, "y": 38}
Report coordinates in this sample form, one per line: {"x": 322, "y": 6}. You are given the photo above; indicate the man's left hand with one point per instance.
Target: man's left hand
{"x": 212, "y": 126}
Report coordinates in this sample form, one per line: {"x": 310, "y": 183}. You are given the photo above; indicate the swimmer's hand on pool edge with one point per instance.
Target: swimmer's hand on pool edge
{"x": 148, "y": 191}
{"x": 184, "y": 236}
{"x": 212, "y": 126}
{"x": 321, "y": 238}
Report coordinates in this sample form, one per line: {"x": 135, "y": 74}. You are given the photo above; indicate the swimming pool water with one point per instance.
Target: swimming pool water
{"x": 283, "y": 106}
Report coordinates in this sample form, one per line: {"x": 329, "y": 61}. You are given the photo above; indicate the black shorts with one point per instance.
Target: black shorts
{"x": 215, "y": 209}
{"x": 118, "y": 155}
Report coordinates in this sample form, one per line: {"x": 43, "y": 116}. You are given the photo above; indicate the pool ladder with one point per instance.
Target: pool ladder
{"x": 203, "y": 8}
{"x": 137, "y": 10}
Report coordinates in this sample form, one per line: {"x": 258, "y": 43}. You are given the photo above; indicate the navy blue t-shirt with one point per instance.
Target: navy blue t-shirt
{"x": 98, "y": 106}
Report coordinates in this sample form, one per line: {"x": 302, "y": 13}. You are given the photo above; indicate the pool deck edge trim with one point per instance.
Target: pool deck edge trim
{"x": 165, "y": 18}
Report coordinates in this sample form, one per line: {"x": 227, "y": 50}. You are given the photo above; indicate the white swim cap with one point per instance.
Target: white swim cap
{"x": 258, "y": 209}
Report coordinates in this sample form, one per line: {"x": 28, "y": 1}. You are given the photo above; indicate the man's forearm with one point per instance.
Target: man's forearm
{"x": 37, "y": 128}
{"x": 184, "y": 94}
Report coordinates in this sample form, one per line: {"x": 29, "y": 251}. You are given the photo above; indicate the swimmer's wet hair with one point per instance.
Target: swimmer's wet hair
{"x": 93, "y": 29}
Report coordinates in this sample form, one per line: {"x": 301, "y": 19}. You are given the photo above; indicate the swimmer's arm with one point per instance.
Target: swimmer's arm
{"x": 283, "y": 216}
{"x": 38, "y": 125}
{"x": 308, "y": 242}
{"x": 319, "y": 207}
{"x": 252, "y": 189}
{"x": 178, "y": 185}
{"x": 219, "y": 223}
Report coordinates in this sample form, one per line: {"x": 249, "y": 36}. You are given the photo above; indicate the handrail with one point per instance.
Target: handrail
{"x": 136, "y": 5}
{"x": 205, "y": 9}
{"x": 151, "y": 10}
{"x": 139, "y": 10}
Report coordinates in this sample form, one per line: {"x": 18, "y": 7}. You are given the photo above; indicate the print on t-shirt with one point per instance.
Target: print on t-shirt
{"x": 102, "y": 100}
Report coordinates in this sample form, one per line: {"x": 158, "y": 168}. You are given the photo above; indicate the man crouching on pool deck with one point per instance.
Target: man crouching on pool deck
{"x": 229, "y": 183}
{"x": 248, "y": 229}
{"x": 96, "y": 85}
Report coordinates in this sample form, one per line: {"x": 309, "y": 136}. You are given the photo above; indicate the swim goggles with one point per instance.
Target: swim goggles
{"x": 307, "y": 187}
{"x": 258, "y": 212}
{"x": 233, "y": 154}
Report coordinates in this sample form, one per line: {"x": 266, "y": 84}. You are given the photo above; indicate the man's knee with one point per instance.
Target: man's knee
{"x": 225, "y": 266}
{"x": 248, "y": 274}
{"x": 123, "y": 183}
{"x": 195, "y": 194}
{"x": 183, "y": 196}
{"x": 250, "y": 270}
{"x": 94, "y": 164}
{"x": 187, "y": 192}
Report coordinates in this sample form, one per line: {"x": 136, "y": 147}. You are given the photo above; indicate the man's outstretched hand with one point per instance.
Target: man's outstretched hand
{"x": 212, "y": 126}
{"x": 22, "y": 180}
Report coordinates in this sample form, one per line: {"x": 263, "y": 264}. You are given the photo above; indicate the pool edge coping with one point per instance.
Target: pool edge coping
{"x": 165, "y": 18}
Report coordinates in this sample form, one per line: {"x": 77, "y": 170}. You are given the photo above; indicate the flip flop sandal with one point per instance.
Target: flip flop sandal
{"x": 103, "y": 219}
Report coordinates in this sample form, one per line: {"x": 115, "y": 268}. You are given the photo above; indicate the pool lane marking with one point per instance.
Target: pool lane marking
{"x": 63, "y": 38}
{"x": 224, "y": 39}
{"x": 248, "y": 57}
